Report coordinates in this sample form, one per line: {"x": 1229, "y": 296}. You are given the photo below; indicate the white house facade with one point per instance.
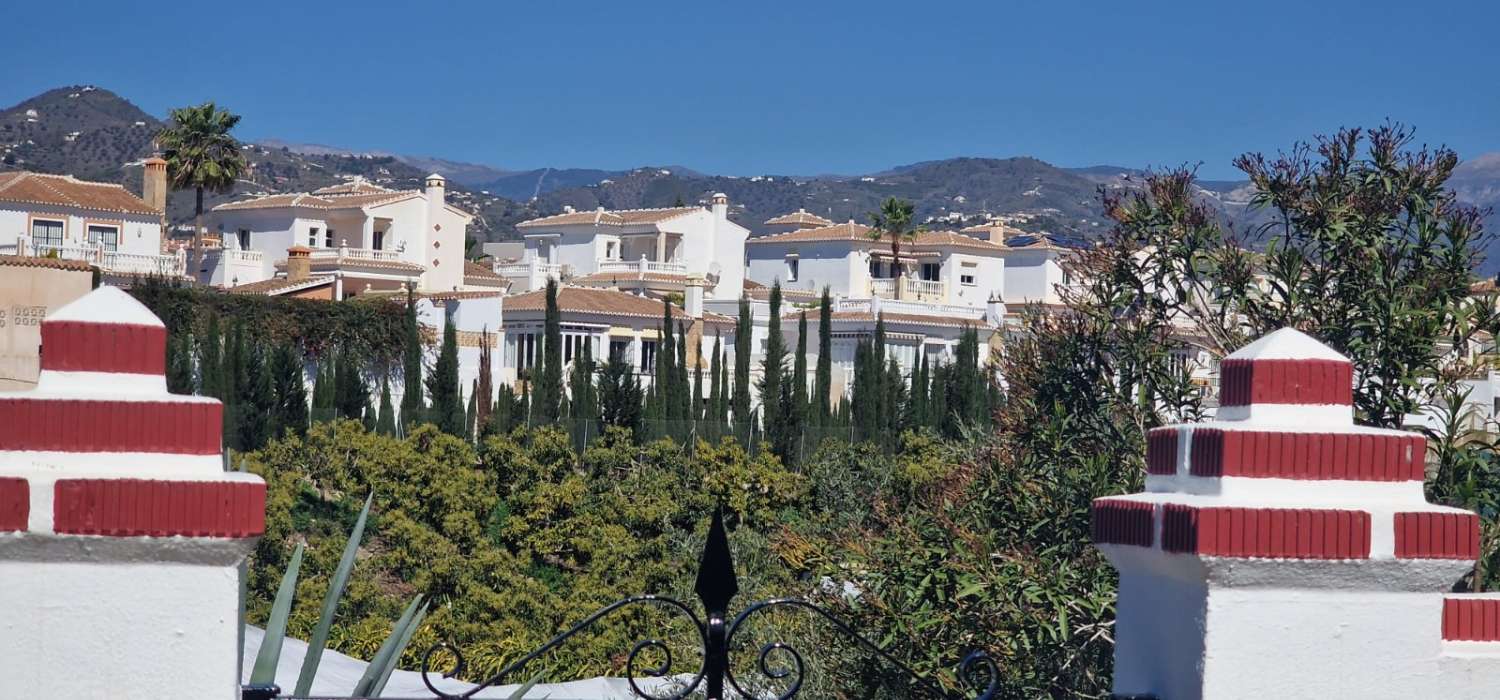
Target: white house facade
{"x": 96, "y": 222}
{"x": 364, "y": 237}
{"x": 650, "y": 250}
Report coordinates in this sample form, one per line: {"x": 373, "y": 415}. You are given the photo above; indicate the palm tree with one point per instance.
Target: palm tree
{"x": 894, "y": 221}
{"x": 201, "y": 155}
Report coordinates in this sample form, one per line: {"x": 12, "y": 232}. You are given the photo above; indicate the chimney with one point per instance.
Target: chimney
{"x": 692, "y": 305}
{"x": 154, "y": 189}
{"x": 721, "y": 206}
{"x": 994, "y": 311}
{"x": 436, "y": 190}
{"x": 692, "y": 296}
{"x": 298, "y": 263}
{"x": 568, "y": 209}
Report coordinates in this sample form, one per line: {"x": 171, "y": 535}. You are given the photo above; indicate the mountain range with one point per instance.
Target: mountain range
{"x": 95, "y": 134}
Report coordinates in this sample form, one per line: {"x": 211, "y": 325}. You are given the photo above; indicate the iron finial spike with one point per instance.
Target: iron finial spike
{"x": 717, "y": 583}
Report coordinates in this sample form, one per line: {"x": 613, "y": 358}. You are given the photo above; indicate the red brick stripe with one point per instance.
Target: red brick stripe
{"x": 1117, "y": 521}
{"x": 75, "y": 346}
{"x": 1245, "y": 382}
{"x": 1309, "y": 456}
{"x": 1437, "y": 535}
{"x": 1471, "y": 619}
{"x": 1161, "y": 451}
{"x": 15, "y": 504}
{"x": 1274, "y": 533}
{"x": 140, "y": 507}
{"x": 111, "y": 426}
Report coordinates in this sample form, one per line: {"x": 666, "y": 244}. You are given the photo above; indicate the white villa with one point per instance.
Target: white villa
{"x": 358, "y": 237}
{"x": 610, "y": 323}
{"x": 96, "y": 222}
{"x": 644, "y": 250}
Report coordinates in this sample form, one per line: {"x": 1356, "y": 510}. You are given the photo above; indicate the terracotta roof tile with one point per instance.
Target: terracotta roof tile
{"x": 950, "y": 239}
{"x": 355, "y": 186}
{"x": 801, "y": 217}
{"x": 848, "y": 231}
{"x": 50, "y": 263}
{"x": 279, "y": 285}
{"x": 915, "y": 319}
{"x": 475, "y": 271}
{"x": 316, "y": 201}
{"x": 611, "y": 277}
{"x": 605, "y": 302}
{"x": 607, "y": 217}
{"x": 471, "y": 294}
{"x": 66, "y": 191}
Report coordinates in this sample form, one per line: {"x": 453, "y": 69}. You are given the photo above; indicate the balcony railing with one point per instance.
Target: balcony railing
{"x": 343, "y": 252}
{"x": 524, "y": 269}
{"x": 673, "y": 267}
{"x": 878, "y": 305}
{"x": 109, "y": 261}
{"x": 238, "y": 255}
{"x": 915, "y": 289}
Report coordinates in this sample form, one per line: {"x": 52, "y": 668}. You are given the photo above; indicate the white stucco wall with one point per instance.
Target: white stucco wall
{"x": 1031, "y": 276}
{"x": 139, "y": 234}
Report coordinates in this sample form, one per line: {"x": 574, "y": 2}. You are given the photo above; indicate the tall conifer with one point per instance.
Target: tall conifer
{"x": 412, "y": 404}
{"x": 447, "y": 409}
{"x": 823, "y": 383}
{"x": 385, "y": 420}
{"x": 743, "y": 333}
{"x": 546, "y": 403}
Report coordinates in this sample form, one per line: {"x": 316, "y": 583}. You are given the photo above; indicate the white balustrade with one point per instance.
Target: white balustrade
{"x": 671, "y": 267}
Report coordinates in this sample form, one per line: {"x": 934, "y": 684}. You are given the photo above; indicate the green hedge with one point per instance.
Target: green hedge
{"x": 370, "y": 327}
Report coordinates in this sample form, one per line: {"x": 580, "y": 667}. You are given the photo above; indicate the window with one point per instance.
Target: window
{"x": 875, "y": 270}
{"x": 931, "y": 271}
{"x": 648, "y": 356}
{"x": 967, "y": 272}
{"x": 619, "y": 349}
{"x": 312, "y": 237}
{"x": 244, "y": 236}
{"x": 791, "y": 268}
{"x": 379, "y": 242}
{"x": 328, "y": 238}
{"x": 610, "y": 251}
{"x": 525, "y": 351}
{"x": 46, "y": 232}
{"x": 107, "y": 236}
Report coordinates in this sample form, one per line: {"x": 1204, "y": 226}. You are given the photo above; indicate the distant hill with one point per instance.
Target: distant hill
{"x": 94, "y": 134}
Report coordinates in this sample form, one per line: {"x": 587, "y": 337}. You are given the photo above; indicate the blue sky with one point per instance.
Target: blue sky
{"x": 786, "y": 88}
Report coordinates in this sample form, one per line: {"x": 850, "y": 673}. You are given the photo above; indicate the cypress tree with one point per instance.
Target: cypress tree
{"x": 260, "y": 404}
{"x": 523, "y": 407}
{"x": 938, "y": 408}
{"x": 447, "y": 410}
{"x": 351, "y": 396}
{"x": 210, "y": 367}
{"x": 743, "y": 332}
{"x": 385, "y": 420}
{"x": 484, "y": 389}
{"x": 772, "y": 383}
{"x": 715, "y": 388}
{"x": 503, "y": 411}
{"x": 665, "y": 388}
{"x": 823, "y": 384}
{"x": 322, "y": 397}
{"x": 917, "y": 414}
{"x": 695, "y": 407}
{"x": 895, "y": 402}
{"x": 179, "y": 363}
{"x": 684, "y": 390}
{"x": 289, "y": 392}
{"x": 411, "y": 367}
{"x": 723, "y": 414}
{"x": 620, "y": 395}
{"x": 471, "y": 413}
{"x": 801, "y": 412}
{"x": 370, "y": 420}
{"x": 547, "y": 402}
{"x": 586, "y": 396}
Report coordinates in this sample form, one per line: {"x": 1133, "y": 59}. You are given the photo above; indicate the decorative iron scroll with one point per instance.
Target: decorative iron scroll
{"x": 716, "y": 586}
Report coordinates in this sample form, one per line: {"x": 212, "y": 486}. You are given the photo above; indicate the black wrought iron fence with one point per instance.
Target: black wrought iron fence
{"x": 716, "y": 632}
